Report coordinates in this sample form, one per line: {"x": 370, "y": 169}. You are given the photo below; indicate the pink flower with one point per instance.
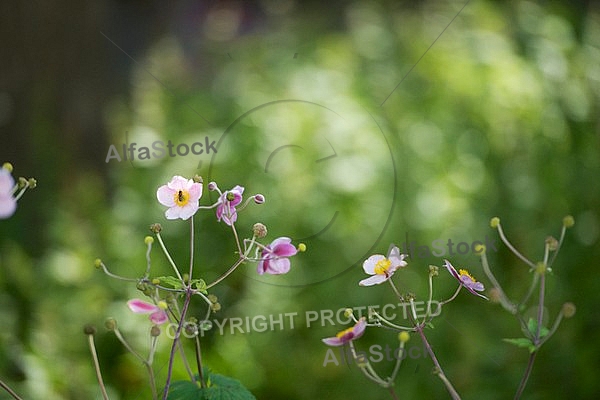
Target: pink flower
{"x": 347, "y": 335}
{"x": 181, "y": 195}
{"x": 227, "y": 203}
{"x": 465, "y": 279}
{"x": 382, "y": 268}
{"x": 274, "y": 258}
{"x": 158, "y": 315}
{"x": 8, "y": 204}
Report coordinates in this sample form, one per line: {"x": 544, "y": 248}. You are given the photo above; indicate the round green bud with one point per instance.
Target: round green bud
{"x": 540, "y": 268}
{"x": 568, "y": 309}
{"x": 215, "y": 307}
{"x": 110, "y": 324}
{"x": 212, "y": 298}
{"x": 148, "y": 240}
{"x": 98, "y": 263}
{"x": 8, "y": 166}
{"x": 480, "y": 249}
{"x": 155, "y": 228}
{"x": 301, "y": 247}
{"x": 155, "y": 331}
{"x": 552, "y": 243}
{"x": 494, "y": 222}
{"x": 434, "y": 270}
{"x": 191, "y": 329}
{"x": 568, "y": 221}
{"x": 494, "y": 295}
{"x": 198, "y": 179}
{"x": 404, "y": 336}
{"x": 259, "y": 230}
{"x": 89, "y": 329}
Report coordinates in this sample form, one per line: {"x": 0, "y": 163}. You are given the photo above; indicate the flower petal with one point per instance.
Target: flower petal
{"x": 166, "y": 196}
{"x": 8, "y": 206}
{"x": 371, "y": 262}
{"x": 142, "y": 307}
{"x": 373, "y": 280}
{"x": 333, "y": 341}
{"x": 282, "y": 247}
{"x": 159, "y": 317}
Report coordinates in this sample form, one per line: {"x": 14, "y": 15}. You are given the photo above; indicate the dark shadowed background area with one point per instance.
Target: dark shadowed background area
{"x": 362, "y": 123}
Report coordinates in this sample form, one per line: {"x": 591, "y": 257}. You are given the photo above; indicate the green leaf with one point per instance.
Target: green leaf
{"x": 522, "y": 342}
{"x": 219, "y": 387}
{"x": 171, "y": 281}
{"x": 200, "y": 285}
{"x": 532, "y": 328}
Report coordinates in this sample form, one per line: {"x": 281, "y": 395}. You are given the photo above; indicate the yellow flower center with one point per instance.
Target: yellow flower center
{"x": 464, "y": 272}
{"x": 382, "y": 266}
{"x": 182, "y": 197}
{"x": 343, "y": 333}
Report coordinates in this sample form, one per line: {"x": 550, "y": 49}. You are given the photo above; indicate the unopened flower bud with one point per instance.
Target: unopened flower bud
{"x": 215, "y": 307}
{"x": 163, "y": 305}
{"x": 361, "y": 360}
{"x": 191, "y": 329}
{"x": 494, "y": 295}
{"x": 8, "y": 166}
{"x": 568, "y": 221}
{"x": 155, "y": 331}
{"x": 32, "y": 183}
{"x": 434, "y": 270}
{"x": 552, "y": 243}
{"x": 259, "y": 199}
{"x": 301, "y": 247}
{"x": 568, "y": 309}
{"x": 197, "y": 179}
{"x": 22, "y": 182}
{"x": 259, "y": 230}
{"x": 89, "y": 329}
{"x": 98, "y": 263}
{"x": 155, "y": 281}
{"x": 110, "y": 324}
{"x": 480, "y": 249}
{"x": 212, "y": 186}
{"x": 212, "y": 298}
{"x": 148, "y": 240}
{"x": 494, "y": 222}
{"x": 155, "y": 228}
{"x": 348, "y": 312}
{"x": 404, "y": 336}
{"x": 540, "y": 268}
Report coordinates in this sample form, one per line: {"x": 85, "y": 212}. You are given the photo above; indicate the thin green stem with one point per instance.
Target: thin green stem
{"x": 199, "y": 362}
{"x": 164, "y": 249}
{"x": 512, "y": 248}
{"x": 525, "y": 376}
{"x": 9, "y": 390}
{"x": 438, "y": 368}
{"x": 191, "y": 249}
{"x": 97, "y": 366}
{"x": 227, "y": 273}
{"x": 186, "y": 304}
{"x": 504, "y": 301}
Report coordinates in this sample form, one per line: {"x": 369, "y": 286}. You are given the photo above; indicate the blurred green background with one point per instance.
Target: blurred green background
{"x": 319, "y": 108}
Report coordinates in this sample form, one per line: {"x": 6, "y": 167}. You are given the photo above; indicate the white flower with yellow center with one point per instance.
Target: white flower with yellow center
{"x": 382, "y": 268}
